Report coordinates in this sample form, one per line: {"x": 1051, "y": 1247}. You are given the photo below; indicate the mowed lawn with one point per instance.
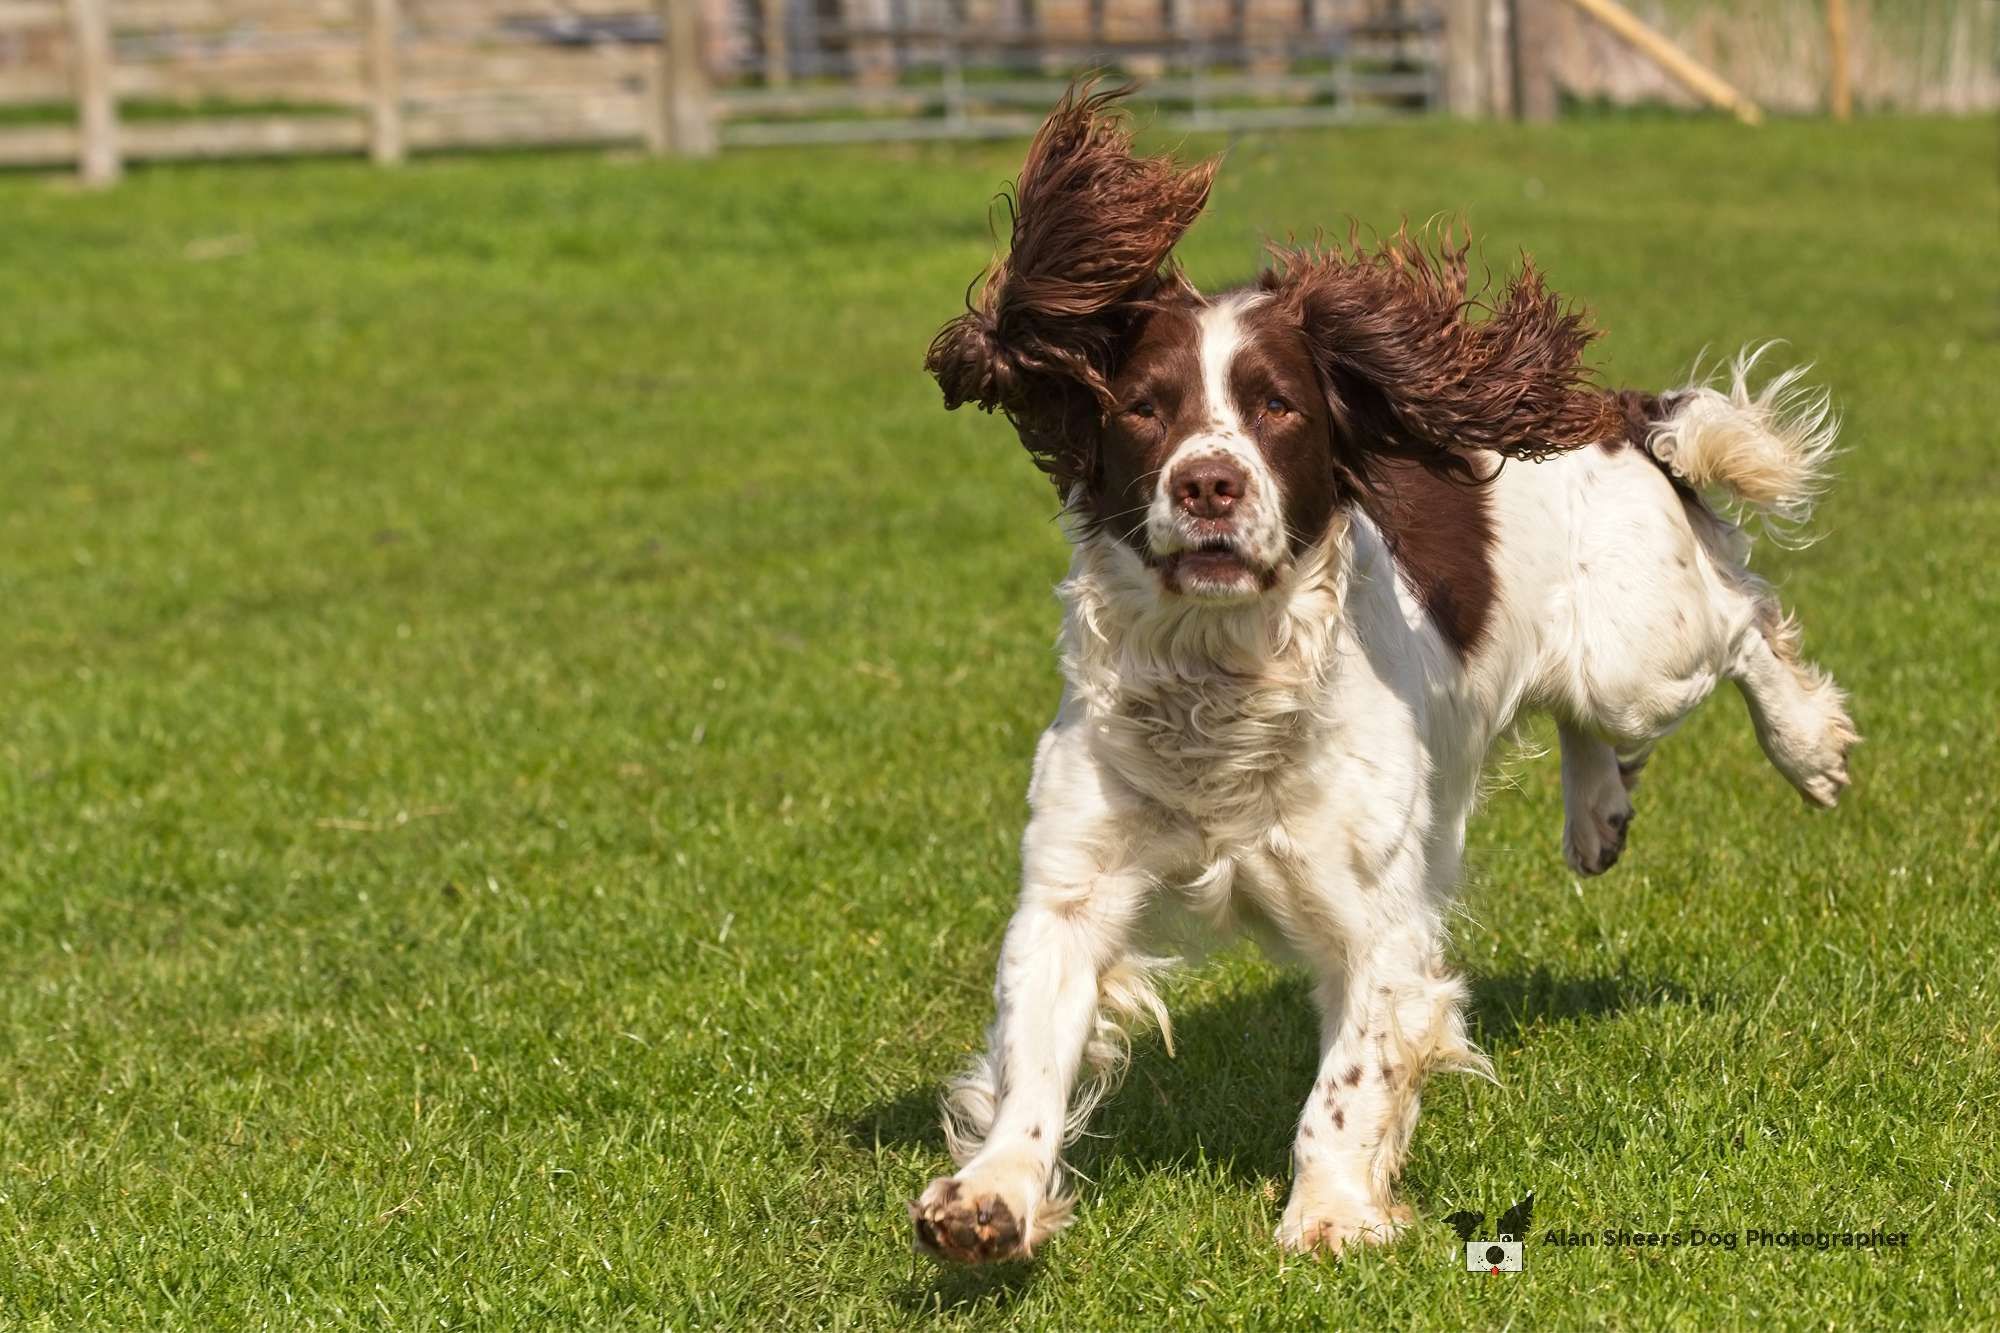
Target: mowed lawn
{"x": 516, "y": 701}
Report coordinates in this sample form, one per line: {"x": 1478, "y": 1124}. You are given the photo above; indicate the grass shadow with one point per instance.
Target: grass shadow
{"x": 951, "y": 1290}
{"x": 1230, "y": 1094}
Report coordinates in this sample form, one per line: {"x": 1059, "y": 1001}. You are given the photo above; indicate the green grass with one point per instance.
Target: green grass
{"x": 517, "y": 704}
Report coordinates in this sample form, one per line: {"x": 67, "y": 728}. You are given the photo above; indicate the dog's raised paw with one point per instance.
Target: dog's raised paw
{"x": 959, "y": 1224}
{"x": 1593, "y": 841}
{"x": 1822, "y": 783}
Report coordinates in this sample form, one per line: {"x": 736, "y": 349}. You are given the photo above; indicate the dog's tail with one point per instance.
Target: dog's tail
{"x": 1767, "y": 451}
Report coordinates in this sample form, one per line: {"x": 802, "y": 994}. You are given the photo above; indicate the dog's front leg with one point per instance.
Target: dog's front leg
{"x": 1065, "y": 954}
{"x": 1390, "y": 1016}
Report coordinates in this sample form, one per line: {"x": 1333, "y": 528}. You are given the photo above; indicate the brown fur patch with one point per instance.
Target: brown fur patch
{"x": 1275, "y": 364}
{"x": 1409, "y": 373}
{"x": 1093, "y": 229}
{"x": 1637, "y": 412}
{"x": 1441, "y": 534}
{"x": 1159, "y": 367}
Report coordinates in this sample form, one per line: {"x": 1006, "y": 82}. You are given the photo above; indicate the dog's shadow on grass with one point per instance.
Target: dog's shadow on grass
{"x": 1231, "y": 1093}
{"x": 1242, "y": 1064}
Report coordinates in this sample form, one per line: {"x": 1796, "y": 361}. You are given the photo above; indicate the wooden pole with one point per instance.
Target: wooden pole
{"x": 1534, "y": 62}
{"x": 1694, "y": 76}
{"x": 1465, "y": 59}
{"x": 96, "y": 98}
{"x": 385, "y": 83}
{"x": 1840, "y": 95}
{"x": 777, "y": 48}
{"x": 683, "y": 117}
{"x": 1500, "y": 58}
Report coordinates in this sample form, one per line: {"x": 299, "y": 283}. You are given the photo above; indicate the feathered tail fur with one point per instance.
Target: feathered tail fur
{"x": 1766, "y": 450}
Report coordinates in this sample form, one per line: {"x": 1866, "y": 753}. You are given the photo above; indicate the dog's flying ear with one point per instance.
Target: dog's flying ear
{"x": 1409, "y": 371}
{"x": 1094, "y": 228}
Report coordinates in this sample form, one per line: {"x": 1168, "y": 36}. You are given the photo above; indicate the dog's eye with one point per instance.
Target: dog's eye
{"x": 1142, "y": 408}
{"x": 1276, "y": 407}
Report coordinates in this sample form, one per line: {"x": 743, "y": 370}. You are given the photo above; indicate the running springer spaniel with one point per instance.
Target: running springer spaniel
{"x": 1305, "y": 599}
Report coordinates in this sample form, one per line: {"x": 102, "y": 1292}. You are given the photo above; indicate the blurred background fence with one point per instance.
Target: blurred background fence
{"x": 98, "y": 82}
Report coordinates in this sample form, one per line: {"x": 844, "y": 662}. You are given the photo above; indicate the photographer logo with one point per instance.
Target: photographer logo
{"x": 1495, "y": 1255}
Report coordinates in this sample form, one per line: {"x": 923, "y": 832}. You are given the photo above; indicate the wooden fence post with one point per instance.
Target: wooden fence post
{"x": 1840, "y": 93}
{"x": 96, "y": 99}
{"x": 385, "y": 83}
{"x": 777, "y": 45}
{"x": 1500, "y": 58}
{"x": 683, "y": 118}
{"x": 1534, "y": 62}
{"x": 1465, "y": 59}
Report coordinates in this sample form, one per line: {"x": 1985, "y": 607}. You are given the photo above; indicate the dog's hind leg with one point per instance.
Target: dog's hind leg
{"x": 1767, "y": 451}
{"x": 1597, "y": 803}
{"x": 1800, "y": 714}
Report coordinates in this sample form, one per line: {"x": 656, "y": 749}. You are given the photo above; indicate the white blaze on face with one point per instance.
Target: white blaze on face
{"x": 1255, "y": 527}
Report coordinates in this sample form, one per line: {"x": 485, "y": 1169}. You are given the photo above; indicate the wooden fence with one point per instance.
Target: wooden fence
{"x": 97, "y": 83}
{"x": 388, "y": 77}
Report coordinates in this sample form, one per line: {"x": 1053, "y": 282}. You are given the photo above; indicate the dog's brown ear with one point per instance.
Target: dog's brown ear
{"x": 1411, "y": 371}
{"x": 1093, "y": 233}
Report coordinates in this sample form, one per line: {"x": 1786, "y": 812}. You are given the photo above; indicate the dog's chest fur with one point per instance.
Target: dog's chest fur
{"x": 1212, "y": 718}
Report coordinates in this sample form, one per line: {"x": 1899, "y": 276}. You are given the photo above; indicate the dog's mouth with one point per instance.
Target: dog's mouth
{"x": 1214, "y": 567}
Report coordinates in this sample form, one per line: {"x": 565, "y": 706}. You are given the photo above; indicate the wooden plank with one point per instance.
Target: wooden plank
{"x": 245, "y": 136}
{"x": 29, "y": 15}
{"x": 1840, "y": 92}
{"x": 683, "y": 120}
{"x": 1690, "y": 73}
{"x": 39, "y": 146}
{"x": 385, "y": 83}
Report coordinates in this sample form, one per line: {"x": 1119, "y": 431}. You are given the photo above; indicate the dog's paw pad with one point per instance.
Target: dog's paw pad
{"x": 956, "y": 1223}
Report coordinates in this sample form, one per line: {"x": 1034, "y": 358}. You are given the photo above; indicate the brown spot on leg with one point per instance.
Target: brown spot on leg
{"x": 1352, "y": 1076}
{"x": 1339, "y": 1118}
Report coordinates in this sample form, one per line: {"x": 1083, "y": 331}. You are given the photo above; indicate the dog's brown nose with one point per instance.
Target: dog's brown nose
{"x": 1208, "y": 487}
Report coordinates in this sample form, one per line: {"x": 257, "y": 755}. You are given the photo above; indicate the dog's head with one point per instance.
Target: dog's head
{"x": 1217, "y": 438}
